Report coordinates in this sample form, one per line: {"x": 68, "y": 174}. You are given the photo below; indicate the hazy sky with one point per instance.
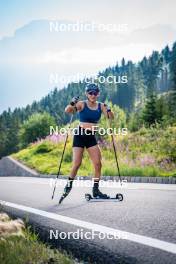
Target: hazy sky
{"x": 29, "y": 53}
{"x": 137, "y": 13}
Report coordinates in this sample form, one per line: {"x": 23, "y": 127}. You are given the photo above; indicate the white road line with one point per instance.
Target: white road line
{"x": 151, "y": 242}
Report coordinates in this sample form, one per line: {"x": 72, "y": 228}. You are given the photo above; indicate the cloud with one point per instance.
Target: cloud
{"x": 29, "y": 57}
{"x": 34, "y": 43}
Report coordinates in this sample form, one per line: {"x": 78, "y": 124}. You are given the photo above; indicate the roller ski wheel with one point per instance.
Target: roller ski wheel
{"x": 118, "y": 197}
{"x": 88, "y": 197}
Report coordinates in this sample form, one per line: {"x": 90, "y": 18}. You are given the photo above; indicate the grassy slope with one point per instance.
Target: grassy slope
{"x": 29, "y": 249}
{"x": 20, "y": 250}
{"x": 149, "y": 152}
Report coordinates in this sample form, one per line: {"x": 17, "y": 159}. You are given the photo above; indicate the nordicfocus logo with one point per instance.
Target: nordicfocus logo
{"x": 89, "y": 235}
{"x": 80, "y": 182}
{"x": 55, "y": 78}
{"x": 95, "y": 129}
{"x": 80, "y": 26}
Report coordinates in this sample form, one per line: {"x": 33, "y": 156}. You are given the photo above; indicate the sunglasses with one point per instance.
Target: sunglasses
{"x": 93, "y": 93}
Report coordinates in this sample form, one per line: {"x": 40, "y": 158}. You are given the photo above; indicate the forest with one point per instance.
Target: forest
{"x": 148, "y": 99}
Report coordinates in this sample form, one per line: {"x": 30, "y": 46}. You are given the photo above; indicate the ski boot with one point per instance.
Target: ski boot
{"x": 96, "y": 192}
{"x": 67, "y": 189}
{"x": 99, "y": 195}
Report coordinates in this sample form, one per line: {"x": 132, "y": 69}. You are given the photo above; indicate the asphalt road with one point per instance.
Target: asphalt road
{"x": 144, "y": 223}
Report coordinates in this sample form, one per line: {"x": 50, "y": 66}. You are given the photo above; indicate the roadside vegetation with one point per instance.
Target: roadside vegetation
{"x": 18, "y": 245}
{"x": 147, "y": 152}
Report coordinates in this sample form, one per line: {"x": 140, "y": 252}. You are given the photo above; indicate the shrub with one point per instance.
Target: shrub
{"x": 36, "y": 127}
{"x": 45, "y": 147}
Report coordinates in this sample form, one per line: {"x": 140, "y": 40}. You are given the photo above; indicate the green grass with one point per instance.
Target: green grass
{"x": 148, "y": 152}
{"x": 29, "y": 250}
{"x": 19, "y": 250}
{"x": 133, "y": 171}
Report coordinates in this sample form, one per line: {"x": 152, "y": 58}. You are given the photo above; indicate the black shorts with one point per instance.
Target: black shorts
{"x": 84, "y": 138}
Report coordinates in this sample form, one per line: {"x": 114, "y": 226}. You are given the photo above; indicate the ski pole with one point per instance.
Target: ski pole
{"x": 62, "y": 157}
{"x": 115, "y": 152}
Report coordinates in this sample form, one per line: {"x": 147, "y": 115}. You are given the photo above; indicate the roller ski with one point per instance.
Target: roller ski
{"x": 89, "y": 197}
{"x": 67, "y": 190}
{"x": 97, "y": 195}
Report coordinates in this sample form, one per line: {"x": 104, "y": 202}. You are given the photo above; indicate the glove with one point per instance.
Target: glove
{"x": 107, "y": 108}
{"x": 74, "y": 100}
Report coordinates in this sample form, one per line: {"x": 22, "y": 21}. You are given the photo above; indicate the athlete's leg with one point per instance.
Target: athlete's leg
{"x": 95, "y": 156}
{"x": 77, "y": 159}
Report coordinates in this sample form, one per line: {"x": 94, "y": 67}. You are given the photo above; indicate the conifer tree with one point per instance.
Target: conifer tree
{"x": 150, "y": 110}
{"x": 172, "y": 100}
